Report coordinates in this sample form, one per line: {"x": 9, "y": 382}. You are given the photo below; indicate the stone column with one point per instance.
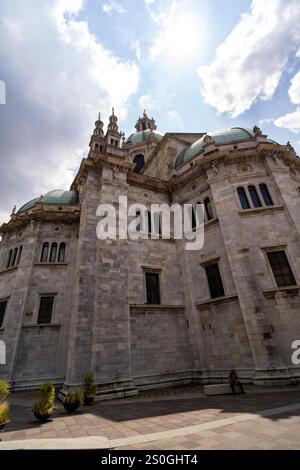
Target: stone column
{"x": 111, "y": 355}
{"x": 100, "y": 332}
{"x": 82, "y": 320}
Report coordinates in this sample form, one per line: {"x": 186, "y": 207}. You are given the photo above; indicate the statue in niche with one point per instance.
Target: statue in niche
{"x": 216, "y": 166}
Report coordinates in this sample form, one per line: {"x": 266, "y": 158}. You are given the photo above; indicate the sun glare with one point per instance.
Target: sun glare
{"x": 182, "y": 39}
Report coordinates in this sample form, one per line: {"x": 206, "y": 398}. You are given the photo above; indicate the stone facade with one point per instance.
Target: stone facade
{"x": 101, "y": 321}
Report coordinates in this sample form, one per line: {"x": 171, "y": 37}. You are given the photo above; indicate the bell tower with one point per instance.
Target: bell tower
{"x": 113, "y": 136}
{"x": 97, "y": 140}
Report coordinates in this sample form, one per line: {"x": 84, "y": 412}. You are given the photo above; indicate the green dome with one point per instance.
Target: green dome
{"x": 237, "y": 134}
{"x": 28, "y": 205}
{"x": 57, "y": 196}
{"x": 142, "y": 136}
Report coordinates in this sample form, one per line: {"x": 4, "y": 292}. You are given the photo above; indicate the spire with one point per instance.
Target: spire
{"x": 99, "y": 127}
{"x": 113, "y": 122}
{"x": 145, "y": 123}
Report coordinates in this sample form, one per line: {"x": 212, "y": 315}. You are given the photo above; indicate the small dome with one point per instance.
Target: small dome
{"x": 28, "y": 205}
{"x": 57, "y": 196}
{"x": 230, "y": 136}
{"x": 142, "y": 136}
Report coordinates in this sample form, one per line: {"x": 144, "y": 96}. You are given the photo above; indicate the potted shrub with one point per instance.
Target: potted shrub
{"x": 4, "y": 406}
{"x": 72, "y": 401}
{"x": 90, "y": 389}
{"x": 45, "y": 406}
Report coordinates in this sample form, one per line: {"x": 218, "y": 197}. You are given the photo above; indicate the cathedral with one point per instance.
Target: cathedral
{"x": 145, "y": 313}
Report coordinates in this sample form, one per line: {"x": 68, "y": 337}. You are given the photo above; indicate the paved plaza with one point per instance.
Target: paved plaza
{"x": 179, "y": 418}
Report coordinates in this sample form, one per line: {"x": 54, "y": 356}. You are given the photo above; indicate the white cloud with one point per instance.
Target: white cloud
{"x": 266, "y": 121}
{"x": 4, "y": 217}
{"x": 136, "y": 47}
{"x": 147, "y": 102}
{"x": 149, "y": 2}
{"x": 175, "y": 118}
{"x": 249, "y": 64}
{"x": 294, "y": 91}
{"x": 290, "y": 121}
{"x": 113, "y": 7}
{"x": 58, "y": 77}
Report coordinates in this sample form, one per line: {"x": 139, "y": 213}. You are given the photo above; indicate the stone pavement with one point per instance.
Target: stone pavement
{"x": 179, "y": 418}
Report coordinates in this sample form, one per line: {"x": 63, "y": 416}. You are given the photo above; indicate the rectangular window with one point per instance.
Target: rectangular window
{"x": 152, "y": 288}
{"x": 46, "y": 308}
{"x": 281, "y": 268}
{"x": 214, "y": 281}
{"x": 3, "y": 305}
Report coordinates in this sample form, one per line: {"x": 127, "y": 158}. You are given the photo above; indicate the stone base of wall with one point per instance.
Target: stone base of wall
{"x": 220, "y": 376}
{"x": 275, "y": 377}
{"x": 127, "y": 388}
{"x": 106, "y": 390}
{"x": 150, "y": 382}
{"x": 35, "y": 383}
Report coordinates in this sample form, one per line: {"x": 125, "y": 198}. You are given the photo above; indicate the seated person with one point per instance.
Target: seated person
{"x": 234, "y": 380}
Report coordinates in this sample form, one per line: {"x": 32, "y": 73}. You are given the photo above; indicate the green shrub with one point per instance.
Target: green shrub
{"x": 47, "y": 401}
{"x": 4, "y": 412}
{"x": 4, "y": 406}
{"x": 74, "y": 397}
{"x": 4, "y": 390}
{"x": 90, "y": 388}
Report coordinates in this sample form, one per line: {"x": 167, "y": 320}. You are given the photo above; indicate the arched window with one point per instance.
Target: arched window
{"x": 62, "y": 253}
{"x": 265, "y": 194}
{"x": 254, "y": 196}
{"x": 45, "y": 252}
{"x": 149, "y": 222}
{"x": 138, "y": 221}
{"x": 19, "y": 255}
{"x": 9, "y": 259}
{"x": 243, "y": 198}
{"x": 14, "y": 257}
{"x": 158, "y": 224}
{"x": 194, "y": 222}
{"x": 139, "y": 161}
{"x": 53, "y": 253}
{"x": 208, "y": 209}
{"x": 96, "y": 146}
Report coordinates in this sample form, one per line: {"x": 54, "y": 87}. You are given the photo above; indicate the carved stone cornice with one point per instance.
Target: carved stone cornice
{"x": 43, "y": 213}
{"x": 149, "y": 308}
{"x": 282, "y": 154}
{"x": 112, "y": 161}
{"x": 80, "y": 178}
{"x": 216, "y": 163}
{"x": 148, "y": 182}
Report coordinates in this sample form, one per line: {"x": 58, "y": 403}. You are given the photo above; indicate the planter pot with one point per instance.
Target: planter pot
{"x": 45, "y": 415}
{"x": 88, "y": 400}
{"x": 71, "y": 407}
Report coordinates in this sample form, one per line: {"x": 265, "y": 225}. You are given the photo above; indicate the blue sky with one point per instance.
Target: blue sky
{"x": 195, "y": 65}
